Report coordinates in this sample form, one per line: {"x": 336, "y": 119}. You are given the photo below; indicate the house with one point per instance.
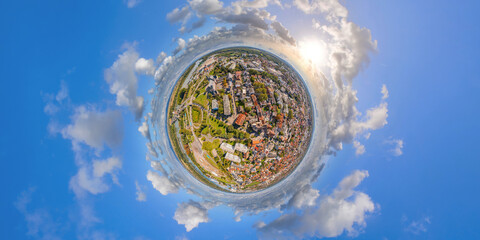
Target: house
{"x": 238, "y": 75}
{"x": 240, "y": 119}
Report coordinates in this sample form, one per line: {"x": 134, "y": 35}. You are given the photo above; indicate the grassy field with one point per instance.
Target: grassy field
{"x": 196, "y": 114}
{"x": 202, "y": 100}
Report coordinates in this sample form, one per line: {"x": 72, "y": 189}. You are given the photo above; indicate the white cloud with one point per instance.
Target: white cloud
{"x": 54, "y": 102}
{"x": 332, "y": 7}
{"x": 141, "y": 196}
{"x": 239, "y": 6}
{"x": 179, "y": 15}
{"x": 91, "y": 178}
{"x": 132, "y": 3}
{"x": 162, "y": 183}
{"x": 282, "y": 32}
{"x": 191, "y": 214}
{"x": 124, "y": 83}
{"x": 144, "y": 130}
{"x": 344, "y": 210}
{"x": 180, "y": 45}
{"x": 62, "y": 93}
{"x": 367, "y": 135}
{"x": 253, "y": 17}
{"x": 108, "y": 166}
{"x": 384, "y": 92}
{"x": 161, "y": 70}
{"x": 418, "y": 226}
{"x": 95, "y": 128}
{"x": 398, "y": 146}
{"x": 206, "y": 7}
{"x": 306, "y": 197}
{"x": 40, "y": 224}
{"x": 376, "y": 117}
{"x": 359, "y": 148}
{"x": 145, "y": 66}
{"x": 346, "y": 132}
{"x": 161, "y": 56}
{"x": 316, "y": 24}
{"x": 50, "y": 108}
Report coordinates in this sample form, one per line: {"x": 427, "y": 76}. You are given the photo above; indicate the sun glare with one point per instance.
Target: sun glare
{"x": 313, "y": 51}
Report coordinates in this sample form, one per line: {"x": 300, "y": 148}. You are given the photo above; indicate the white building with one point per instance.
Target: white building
{"x": 227, "y": 148}
{"x": 226, "y": 105}
{"x": 233, "y": 158}
{"x": 241, "y": 148}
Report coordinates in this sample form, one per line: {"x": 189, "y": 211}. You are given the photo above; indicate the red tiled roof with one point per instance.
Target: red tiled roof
{"x": 240, "y": 119}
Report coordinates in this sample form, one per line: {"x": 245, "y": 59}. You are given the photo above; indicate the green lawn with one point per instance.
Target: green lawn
{"x": 196, "y": 115}
{"x": 209, "y": 146}
{"x": 215, "y": 128}
{"x": 202, "y": 100}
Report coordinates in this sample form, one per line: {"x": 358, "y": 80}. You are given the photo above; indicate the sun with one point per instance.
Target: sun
{"x": 314, "y": 51}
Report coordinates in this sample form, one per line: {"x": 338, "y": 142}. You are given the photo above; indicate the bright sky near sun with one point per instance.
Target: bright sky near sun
{"x": 413, "y": 174}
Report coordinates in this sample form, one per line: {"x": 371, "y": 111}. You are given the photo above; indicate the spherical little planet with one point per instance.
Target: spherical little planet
{"x": 240, "y": 119}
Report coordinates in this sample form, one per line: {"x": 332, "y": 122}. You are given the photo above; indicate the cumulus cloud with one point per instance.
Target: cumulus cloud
{"x": 206, "y": 7}
{"x": 398, "y": 146}
{"x": 332, "y": 7}
{"x": 359, "y": 148}
{"x": 384, "y": 92}
{"x": 191, "y": 214}
{"x": 282, "y": 32}
{"x": 162, "y": 183}
{"x": 239, "y": 6}
{"x": 344, "y": 210}
{"x": 95, "y": 128}
{"x": 161, "y": 56}
{"x": 145, "y": 66}
{"x": 179, "y": 14}
{"x": 197, "y": 24}
{"x": 180, "y": 45}
{"x": 91, "y": 178}
{"x": 124, "y": 83}
{"x": 252, "y": 17}
{"x": 141, "y": 196}
{"x": 375, "y": 118}
{"x": 108, "y": 166}
{"x": 144, "y": 130}
{"x": 161, "y": 70}
{"x": 306, "y": 197}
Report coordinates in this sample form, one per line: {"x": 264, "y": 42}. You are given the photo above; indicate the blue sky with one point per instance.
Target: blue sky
{"x": 426, "y": 55}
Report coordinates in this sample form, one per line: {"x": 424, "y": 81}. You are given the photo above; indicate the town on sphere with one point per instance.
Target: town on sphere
{"x": 240, "y": 119}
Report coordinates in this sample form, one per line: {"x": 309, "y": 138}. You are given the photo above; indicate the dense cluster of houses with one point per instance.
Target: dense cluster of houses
{"x": 274, "y": 108}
